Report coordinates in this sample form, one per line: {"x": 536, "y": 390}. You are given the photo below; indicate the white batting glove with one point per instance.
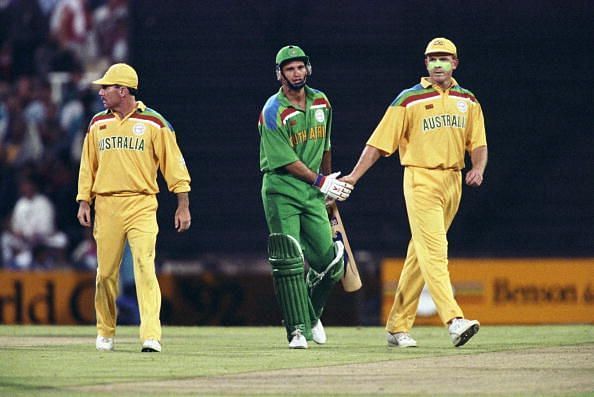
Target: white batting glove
{"x": 332, "y": 188}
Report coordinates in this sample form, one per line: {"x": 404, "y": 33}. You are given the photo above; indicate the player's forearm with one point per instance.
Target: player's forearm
{"x": 183, "y": 200}
{"x": 479, "y": 157}
{"x": 85, "y": 179}
{"x": 301, "y": 171}
{"x": 326, "y": 163}
{"x": 368, "y": 157}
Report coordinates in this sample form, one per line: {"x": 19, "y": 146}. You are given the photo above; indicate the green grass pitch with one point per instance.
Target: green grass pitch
{"x": 62, "y": 361}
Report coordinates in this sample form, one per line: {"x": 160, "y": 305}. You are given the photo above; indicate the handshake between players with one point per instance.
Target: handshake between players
{"x": 333, "y": 188}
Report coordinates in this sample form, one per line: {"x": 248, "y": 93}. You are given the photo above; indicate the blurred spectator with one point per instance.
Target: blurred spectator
{"x": 23, "y": 143}
{"x": 110, "y": 31}
{"x": 36, "y": 99}
{"x": 49, "y": 52}
{"x": 70, "y": 25}
{"x": 31, "y": 239}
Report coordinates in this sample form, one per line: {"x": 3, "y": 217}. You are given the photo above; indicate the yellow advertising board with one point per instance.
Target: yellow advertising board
{"x": 509, "y": 291}
{"x": 57, "y": 297}
{"x": 61, "y": 297}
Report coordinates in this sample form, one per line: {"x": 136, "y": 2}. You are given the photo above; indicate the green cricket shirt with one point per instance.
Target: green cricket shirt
{"x": 288, "y": 133}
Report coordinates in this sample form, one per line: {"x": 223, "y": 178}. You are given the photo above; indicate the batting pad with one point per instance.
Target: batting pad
{"x": 320, "y": 284}
{"x": 286, "y": 258}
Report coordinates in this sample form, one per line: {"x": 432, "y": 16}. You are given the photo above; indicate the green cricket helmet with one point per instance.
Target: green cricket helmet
{"x": 291, "y": 53}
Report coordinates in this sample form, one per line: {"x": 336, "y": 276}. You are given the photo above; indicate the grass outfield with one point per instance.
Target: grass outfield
{"x": 500, "y": 360}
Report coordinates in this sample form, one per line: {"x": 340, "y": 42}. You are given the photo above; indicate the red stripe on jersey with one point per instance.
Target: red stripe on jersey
{"x": 99, "y": 118}
{"x": 287, "y": 112}
{"x": 148, "y": 118}
{"x": 102, "y": 117}
{"x": 320, "y": 101}
{"x": 414, "y": 98}
{"x": 463, "y": 95}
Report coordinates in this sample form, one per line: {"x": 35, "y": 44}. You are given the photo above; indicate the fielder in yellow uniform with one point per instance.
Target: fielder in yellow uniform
{"x": 431, "y": 125}
{"x": 124, "y": 148}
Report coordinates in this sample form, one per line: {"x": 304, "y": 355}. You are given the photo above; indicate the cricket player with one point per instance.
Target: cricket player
{"x": 124, "y": 147}
{"x": 431, "y": 124}
{"x": 295, "y": 160}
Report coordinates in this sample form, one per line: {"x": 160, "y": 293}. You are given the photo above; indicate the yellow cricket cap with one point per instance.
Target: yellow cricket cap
{"x": 119, "y": 74}
{"x": 440, "y": 44}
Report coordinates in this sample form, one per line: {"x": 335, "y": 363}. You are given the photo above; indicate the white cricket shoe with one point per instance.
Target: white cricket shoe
{"x": 461, "y": 330}
{"x": 298, "y": 341}
{"x": 401, "y": 339}
{"x": 319, "y": 335}
{"x": 151, "y": 346}
{"x": 104, "y": 344}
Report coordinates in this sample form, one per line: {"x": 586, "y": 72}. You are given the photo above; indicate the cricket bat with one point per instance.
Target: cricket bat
{"x": 351, "y": 281}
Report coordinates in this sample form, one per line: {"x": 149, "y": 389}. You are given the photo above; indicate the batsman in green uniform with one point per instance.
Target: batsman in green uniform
{"x": 295, "y": 160}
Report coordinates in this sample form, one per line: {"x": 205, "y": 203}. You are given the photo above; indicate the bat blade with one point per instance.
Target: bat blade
{"x": 351, "y": 281}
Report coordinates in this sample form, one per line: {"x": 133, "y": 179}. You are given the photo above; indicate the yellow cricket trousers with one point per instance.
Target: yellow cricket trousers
{"x": 134, "y": 218}
{"x": 432, "y": 197}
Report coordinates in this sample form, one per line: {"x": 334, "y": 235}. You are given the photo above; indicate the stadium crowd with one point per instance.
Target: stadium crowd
{"x": 49, "y": 52}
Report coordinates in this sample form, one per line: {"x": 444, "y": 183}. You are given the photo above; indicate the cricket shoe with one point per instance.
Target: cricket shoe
{"x": 151, "y": 346}
{"x": 298, "y": 341}
{"x": 401, "y": 339}
{"x": 461, "y": 330}
{"x": 318, "y": 333}
{"x": 104, "y": 344}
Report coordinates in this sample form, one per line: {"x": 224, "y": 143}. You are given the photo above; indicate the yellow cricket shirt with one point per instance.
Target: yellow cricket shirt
{"x": 431, "y": 128}
{"x": 122, "y": 156}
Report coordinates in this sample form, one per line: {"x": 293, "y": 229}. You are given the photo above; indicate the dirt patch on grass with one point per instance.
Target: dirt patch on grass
{"x": 550, "y": 371}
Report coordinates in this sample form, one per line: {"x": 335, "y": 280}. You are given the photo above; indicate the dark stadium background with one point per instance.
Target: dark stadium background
{"x": 208, "y": 67}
